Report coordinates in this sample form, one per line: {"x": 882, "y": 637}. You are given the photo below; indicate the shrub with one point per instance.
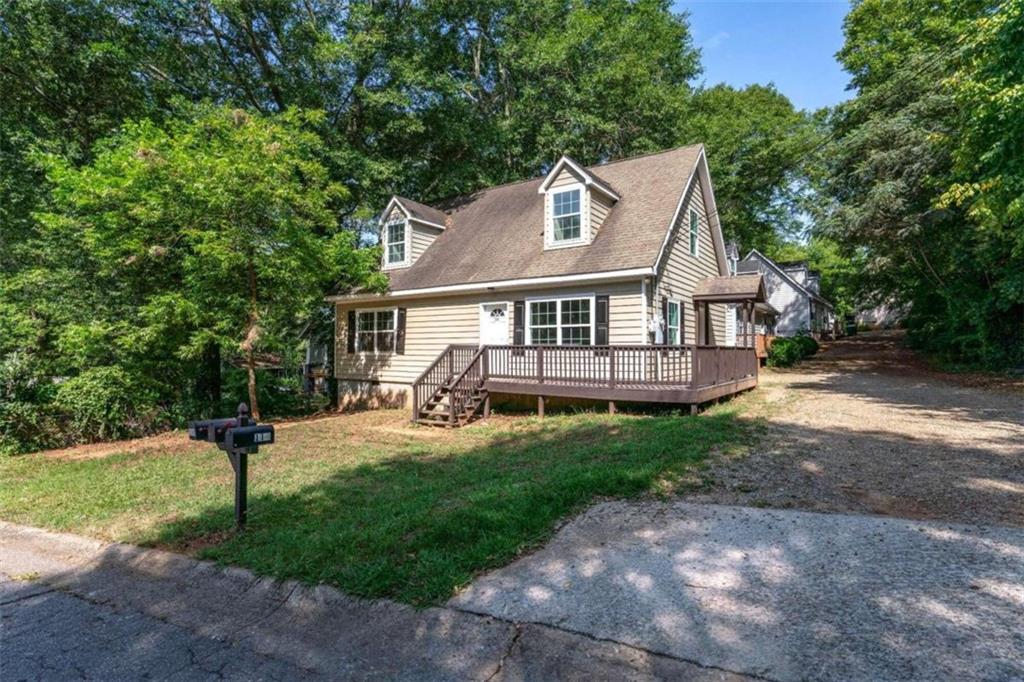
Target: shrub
{"x": 808, "y": 346}
{"x": 107, "y": 403}
{"x": 784, "y": 352}
{"x": 26, "y": 420}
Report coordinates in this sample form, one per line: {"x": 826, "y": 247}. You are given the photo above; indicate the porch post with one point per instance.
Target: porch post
{"x": 696, "y": 323}
{"x": 540, "y": 406}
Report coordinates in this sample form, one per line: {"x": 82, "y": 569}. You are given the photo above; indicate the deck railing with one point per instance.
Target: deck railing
{"x": 452, "y": 359}
{"x": 464, "y": 385}
{"x": 613, "y": 366}
{"x": 462, "y": 369}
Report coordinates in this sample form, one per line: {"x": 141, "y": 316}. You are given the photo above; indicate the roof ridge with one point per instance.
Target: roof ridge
{"x": 510, "y": 183}
{"x": 645, "y": 154}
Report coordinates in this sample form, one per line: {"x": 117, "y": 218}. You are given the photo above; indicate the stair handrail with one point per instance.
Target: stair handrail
{"x": 456, "y": 403}
{"x": 417, "y": 404}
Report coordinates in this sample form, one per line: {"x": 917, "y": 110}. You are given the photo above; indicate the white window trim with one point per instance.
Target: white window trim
{"x": 528, "y": 329}
{"x": 549, "y": 217}
{"x": 679, "y": 319}
{"x": 692, "y": 245}
{"x": 407, "y": 239}
{"x": 394, "y": 330}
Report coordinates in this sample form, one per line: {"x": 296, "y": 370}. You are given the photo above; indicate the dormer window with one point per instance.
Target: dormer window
{"x": 394, "y": 246}
{"x": 567, "y": 216}
{"x": 576, "y": 203}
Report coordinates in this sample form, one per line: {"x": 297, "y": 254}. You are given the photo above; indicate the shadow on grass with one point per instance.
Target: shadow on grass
{"x": 419, "y": 520}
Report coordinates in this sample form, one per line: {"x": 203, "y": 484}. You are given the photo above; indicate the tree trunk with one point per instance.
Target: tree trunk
{"x": 254, "y": 408}
{"x": 252, "y": 335}
{"x": 209, "y": 377}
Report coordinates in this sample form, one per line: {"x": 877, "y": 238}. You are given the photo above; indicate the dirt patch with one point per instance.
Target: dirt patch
{"x": 176, "y": 440}
{"x": 866, "y": 427}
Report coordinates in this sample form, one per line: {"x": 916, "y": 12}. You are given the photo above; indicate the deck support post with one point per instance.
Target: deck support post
{"x": 693, "y": 408}
{"x": 540, "y": 406}
{"x": 611, "y": 407}
{"x": 487, "y": 406}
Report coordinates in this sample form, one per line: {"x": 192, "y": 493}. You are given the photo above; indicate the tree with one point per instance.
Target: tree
{"x": 903, "y": 187}
{"x": 213, "y": 230}
{"x": 756, "y": 141}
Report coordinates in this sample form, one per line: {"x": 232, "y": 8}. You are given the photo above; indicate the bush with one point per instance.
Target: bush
{"x": 26, "y": 420}
{"x": 107, "y": 403}
{"x": 787, "y": 351}
{"x": 784, "y": 352}
{"x": 279, "y": 393}
{"x": 808, "y": 346}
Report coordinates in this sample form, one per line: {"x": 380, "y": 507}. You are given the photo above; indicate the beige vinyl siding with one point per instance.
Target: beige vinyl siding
{"x": 680, "y": 271}
{"x": 422, "y": 237}
{"x": 432, "y": 324}
{"x": 565, "y": 177}
{"x": 600, "y": 206}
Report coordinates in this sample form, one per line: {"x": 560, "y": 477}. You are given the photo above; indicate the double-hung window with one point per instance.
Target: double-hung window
{"x": 673, "y": 325}
{"x": 563, "y": 322}
{"x": 567, "y": 223}
{"x": 694, "y": 233}
{"x": 394, "y": 242}
{"x": 375, "y": 330}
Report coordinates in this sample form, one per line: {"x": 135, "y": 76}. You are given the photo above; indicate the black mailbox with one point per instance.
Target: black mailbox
{"x": 240, "y": 437}
{"x": 212, "y": 430}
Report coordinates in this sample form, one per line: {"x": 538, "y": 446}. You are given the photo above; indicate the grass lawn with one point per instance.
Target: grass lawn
{"x": 367, "y": 502}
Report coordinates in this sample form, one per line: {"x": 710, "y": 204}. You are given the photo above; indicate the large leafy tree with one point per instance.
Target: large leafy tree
{"x": 213, "y": 230}
{"x": 901, "y": 145}
{"x": 757, "y": 143}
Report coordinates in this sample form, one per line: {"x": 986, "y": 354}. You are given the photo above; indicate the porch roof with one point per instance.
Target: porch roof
{"x": 735, "y": 289}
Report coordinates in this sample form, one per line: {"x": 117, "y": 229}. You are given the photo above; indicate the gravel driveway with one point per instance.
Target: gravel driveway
{"x": 864, "y": 428}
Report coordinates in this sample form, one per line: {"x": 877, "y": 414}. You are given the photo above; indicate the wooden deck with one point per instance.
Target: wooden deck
{"x": 459, "y": 383}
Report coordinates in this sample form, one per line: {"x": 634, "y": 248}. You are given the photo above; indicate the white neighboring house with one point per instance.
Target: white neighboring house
{"x": 794, "y": 291}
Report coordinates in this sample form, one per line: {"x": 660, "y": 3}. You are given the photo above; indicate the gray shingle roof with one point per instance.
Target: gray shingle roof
{"x": 422, "y": 212}
{"x": 498, "y": 233}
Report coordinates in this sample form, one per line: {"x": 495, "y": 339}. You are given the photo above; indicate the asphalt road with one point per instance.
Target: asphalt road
{"x": 76, "y": 609}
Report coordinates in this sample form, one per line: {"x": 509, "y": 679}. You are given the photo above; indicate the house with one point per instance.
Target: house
{"x": 765, "y": 315}
{"x": 794, "y": 291}
{"x": 607, "y": 282}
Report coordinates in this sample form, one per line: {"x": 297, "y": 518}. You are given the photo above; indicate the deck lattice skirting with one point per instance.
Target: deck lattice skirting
{"x": 458, "y": 384}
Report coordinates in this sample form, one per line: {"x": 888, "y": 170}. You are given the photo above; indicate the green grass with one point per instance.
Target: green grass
{"x": 368, "y": 503}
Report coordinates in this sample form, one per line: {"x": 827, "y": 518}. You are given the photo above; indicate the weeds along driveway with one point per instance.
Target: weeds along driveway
{"x": 865, "y": 428}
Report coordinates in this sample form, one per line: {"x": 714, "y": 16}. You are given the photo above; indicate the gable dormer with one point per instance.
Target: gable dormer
{"x": 407, "y": 228}
{"x": 576, "y": 203}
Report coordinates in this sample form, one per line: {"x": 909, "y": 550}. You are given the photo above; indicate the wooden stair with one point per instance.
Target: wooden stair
{"x": 435, "y": 411}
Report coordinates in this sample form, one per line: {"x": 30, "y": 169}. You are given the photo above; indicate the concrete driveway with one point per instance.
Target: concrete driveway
{"x": 779, "y": 595}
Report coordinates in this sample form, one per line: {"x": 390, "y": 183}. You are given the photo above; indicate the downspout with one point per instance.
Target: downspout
{"x": 643, "y": 313}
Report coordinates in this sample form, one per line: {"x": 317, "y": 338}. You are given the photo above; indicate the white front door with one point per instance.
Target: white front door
{"x": 494, "y": 324}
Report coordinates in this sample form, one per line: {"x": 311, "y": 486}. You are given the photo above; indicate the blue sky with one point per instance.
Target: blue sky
{"x": 791, "y": 44}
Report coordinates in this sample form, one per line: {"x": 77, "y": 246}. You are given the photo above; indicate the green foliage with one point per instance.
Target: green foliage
{"x": 808, "y": 346}
{"x": 26, "y": 422}
{"x": 755, "y": 142}
{"x": 212, "y": 230}
{"x": 106, "y": 403}
{"x": 925, "y": 178}
{"x": 787, "y": 351}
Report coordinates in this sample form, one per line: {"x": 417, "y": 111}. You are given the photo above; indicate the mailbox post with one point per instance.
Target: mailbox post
{"x": 238, "y": 437}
